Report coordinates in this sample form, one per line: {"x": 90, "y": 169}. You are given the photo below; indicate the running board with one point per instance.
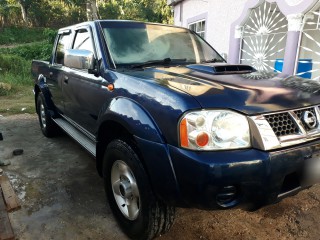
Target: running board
{"x": 77, "y": 135}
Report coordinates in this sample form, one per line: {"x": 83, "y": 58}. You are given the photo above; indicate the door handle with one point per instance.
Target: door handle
{"x": 66, "y": 79}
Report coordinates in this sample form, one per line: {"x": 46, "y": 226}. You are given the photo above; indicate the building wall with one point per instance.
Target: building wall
{"x": 218, "y": 14}
{"x": 295, "y": 11}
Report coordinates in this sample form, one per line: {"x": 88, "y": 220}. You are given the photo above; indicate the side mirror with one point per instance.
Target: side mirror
{"x": 80, "y": 59}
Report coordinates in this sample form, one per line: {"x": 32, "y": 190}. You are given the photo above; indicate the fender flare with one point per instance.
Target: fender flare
{"x": 41, "y": 86}
{"x": 133, "y": 117}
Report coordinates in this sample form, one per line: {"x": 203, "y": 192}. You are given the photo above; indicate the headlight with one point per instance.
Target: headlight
{"x": 214, "y": 130}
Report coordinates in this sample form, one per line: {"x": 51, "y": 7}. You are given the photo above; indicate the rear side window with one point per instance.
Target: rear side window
{"x": 83, "y": 40}
{"x": 63, "y": 44}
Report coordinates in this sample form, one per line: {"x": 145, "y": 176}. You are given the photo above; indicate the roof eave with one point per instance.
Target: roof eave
{"x": 173, "y": 2}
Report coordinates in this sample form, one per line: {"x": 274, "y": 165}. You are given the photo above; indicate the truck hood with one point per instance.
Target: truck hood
{"x": 250, "y": 93}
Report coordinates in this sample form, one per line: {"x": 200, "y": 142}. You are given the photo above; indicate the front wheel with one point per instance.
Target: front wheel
{"x": 139, "y": 213}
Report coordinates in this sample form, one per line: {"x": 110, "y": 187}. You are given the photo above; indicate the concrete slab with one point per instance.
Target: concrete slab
{"x": 62, "y": 197}
{"x": 61, "y": 194}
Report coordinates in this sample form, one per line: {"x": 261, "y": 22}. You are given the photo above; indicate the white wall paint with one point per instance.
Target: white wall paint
{"x": 220, "y": 15}
{"x": 293, "y": 2}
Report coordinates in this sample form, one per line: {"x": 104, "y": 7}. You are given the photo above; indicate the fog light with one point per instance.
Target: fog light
{"x": 227, "y": 197}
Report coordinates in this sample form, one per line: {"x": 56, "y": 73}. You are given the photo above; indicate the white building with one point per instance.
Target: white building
{"x": 272, "y": 35}
{"x": 211, "y": 18}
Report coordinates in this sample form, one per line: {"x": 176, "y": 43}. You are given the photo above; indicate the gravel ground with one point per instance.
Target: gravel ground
{"x": 62, "y": 197}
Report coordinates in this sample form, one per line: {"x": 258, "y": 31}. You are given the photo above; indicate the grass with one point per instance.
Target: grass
{"x": 16, "y": 35}
{"x": 37, "y": 50}
{"x": 18, "y": 46}
{"x": 22, "y": 101}
{"x": 16, "y": 94}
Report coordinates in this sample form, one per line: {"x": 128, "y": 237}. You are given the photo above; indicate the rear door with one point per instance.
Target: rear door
{"x": 56, "y": 69}
{"x": 83, "y": 94}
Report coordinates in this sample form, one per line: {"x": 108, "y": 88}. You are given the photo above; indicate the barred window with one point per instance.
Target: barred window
{"x": 199, "y": 27}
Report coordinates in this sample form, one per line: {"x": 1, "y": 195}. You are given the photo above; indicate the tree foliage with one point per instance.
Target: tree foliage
{"x": 142, "y": 10}
{"x": 59, "y": 13}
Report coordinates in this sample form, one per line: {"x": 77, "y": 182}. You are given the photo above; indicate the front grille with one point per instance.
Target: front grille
{"x": 283, "y": 129}
{"x": 300, "y": 113}
{"x": 282, "y": 124}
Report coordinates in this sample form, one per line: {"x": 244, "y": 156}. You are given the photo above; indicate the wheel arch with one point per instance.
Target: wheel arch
{"x": 125, "y": 119}
{"x": 41, "y": 87}
{"x": 108, "y": 131}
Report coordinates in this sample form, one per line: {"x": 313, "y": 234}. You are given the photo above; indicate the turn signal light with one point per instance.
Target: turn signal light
{"x": 110, "y": 87}
{"x": 202, "y": 139}
{"x": 184, "y": 133}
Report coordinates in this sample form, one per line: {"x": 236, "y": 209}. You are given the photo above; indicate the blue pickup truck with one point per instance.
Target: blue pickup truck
{"x": 171, "y": 124}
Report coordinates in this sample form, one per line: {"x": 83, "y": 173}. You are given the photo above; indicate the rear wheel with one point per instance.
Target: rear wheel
{"x": 139, "y": 213}
{"x": 48, "y": 127}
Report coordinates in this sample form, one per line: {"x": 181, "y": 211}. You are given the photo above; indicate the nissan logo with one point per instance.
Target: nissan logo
{"x": 309, "y": 119}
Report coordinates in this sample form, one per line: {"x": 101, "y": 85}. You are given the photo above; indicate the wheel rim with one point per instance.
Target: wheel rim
{"x": 43, "y": 116}
{"x": 125, "y": 190}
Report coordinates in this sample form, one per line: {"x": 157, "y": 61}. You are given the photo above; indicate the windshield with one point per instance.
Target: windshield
{"x": 136, "y": 43}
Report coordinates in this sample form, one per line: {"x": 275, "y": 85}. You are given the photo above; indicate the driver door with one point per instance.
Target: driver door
{"x": 82, "y": 91}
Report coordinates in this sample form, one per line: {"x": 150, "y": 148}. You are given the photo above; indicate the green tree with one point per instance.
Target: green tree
{"x": 59, "y": 13}
{"x": 92, "y": 10}
{"x": 25, "y": 5}
{"x": 8, "y": 13}
{"x": 3, "y": 11}
{"x": 142, "y": 10}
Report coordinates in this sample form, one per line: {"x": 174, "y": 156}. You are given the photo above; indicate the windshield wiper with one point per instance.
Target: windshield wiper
{"x": 165, "y": 62}
{"x": 214, "y": 60}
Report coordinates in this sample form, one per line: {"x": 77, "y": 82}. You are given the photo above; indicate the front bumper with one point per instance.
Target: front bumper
{"x": 248, "y": 178}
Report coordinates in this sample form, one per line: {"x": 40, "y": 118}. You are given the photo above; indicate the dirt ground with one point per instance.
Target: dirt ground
{"x": 62, "y": 197}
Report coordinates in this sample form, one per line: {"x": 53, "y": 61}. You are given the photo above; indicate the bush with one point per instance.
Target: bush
{"x": 40, "y": 51}
{"x": 5, "y": 88}
{"x": 15, "y": 62}
{"x": 50, "y": 35}
{"x": 14, "y": 70}
{"x": 20, "y": 35}
{"x": 12, "y": 83}
{"x": 34, "y": 50}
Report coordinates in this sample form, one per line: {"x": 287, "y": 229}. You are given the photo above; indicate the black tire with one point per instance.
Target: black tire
{"x": 47, "y": 125}
{"x": 153, "y": 217}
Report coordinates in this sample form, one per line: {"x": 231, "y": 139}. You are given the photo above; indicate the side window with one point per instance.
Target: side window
{"x": 83, "y": 40}
{"x": 199, "y": 27}
{"x": 63, "y": 44}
